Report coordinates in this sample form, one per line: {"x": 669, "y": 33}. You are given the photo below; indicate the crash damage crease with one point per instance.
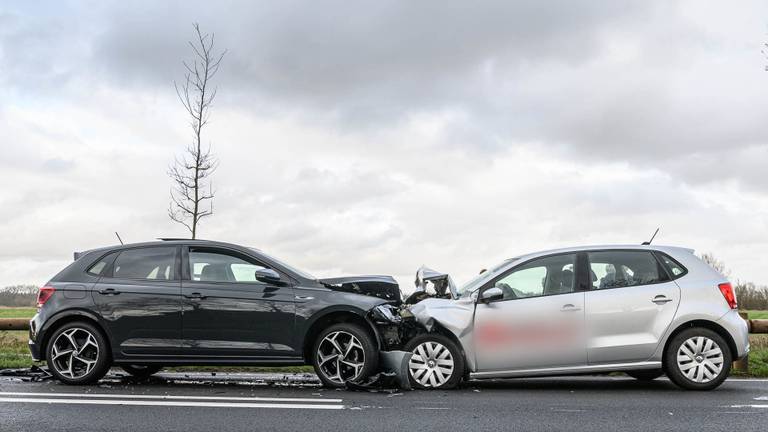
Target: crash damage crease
{"x": 434, "y": 306}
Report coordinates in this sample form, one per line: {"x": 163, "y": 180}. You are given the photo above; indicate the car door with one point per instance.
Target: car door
{"x": 539, "y": 321}
{"x": 139, "y": 297}
{"x": 629, "y": 306}
{"x": 229, "y": 313}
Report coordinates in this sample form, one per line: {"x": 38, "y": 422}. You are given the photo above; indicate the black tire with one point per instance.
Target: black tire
{"x": 646, "y": 374}
{"x": 674, "y": 371}
{"x": 367, "y": 354}
{"x": 457, "y": 357}
{"x": 101, "y": 356}
{"x": 141, "y": 372}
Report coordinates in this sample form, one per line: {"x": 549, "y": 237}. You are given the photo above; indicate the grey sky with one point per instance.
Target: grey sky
{"x": 373, "y": 137}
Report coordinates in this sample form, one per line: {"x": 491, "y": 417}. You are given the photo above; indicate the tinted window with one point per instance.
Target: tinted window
{"x": 540, "y": 277}
{"x": 146, "y": 263}
{"x": 217, "y": 266}
{"x": 98, "y": 268}
{"x": 674, "y": 267}
{"x": 615, "y": 269}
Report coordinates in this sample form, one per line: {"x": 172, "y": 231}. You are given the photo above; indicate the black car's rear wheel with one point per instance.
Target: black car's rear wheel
{"x": 141, "y": 371}
{"x": 78, "y": 353}
{"x": 344, "y": 352}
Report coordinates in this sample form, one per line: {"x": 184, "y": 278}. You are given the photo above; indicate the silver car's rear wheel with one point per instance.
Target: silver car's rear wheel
{"x": 75, "y": 353}
{"x": 700, "y": 359}
{"x": 340, "y": 357}
{"x": 431, "y": 364}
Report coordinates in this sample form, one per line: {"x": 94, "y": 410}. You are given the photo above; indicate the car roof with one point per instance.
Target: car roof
{"x": 161, "y": 242}
{"x": 662, "y": 248}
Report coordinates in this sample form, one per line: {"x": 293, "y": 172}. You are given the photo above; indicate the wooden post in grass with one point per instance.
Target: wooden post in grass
{"x": 743, "y": 364}
{"x": 14, "y": 324}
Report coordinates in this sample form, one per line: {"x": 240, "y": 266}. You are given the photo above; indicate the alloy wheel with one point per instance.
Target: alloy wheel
{"x": 700, "y": 359}
{"x": 431, "y": 364}
{"x": 75, "y": 352}
{"x": 341, "y": 357}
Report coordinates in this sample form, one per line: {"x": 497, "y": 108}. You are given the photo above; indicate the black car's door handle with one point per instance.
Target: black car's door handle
{"x": 109, "y": 291}
{"x": 194, "y": 296}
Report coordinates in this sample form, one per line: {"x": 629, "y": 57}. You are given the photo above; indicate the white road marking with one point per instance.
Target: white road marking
{"x": 167, "y": 403}
{"x": 171, "y": 397}
{"x": 749, "y": 406}
{"x": 761, "y": 398}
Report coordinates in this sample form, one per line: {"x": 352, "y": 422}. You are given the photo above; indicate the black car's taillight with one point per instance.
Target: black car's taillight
{"x": 44, "y": 294}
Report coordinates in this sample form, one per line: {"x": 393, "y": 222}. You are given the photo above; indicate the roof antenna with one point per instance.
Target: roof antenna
{"x": 646, "y": 243}
{"x": 121, "y": 240}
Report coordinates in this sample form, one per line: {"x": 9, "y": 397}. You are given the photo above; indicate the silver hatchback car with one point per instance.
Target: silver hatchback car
{"x": 645, "y": 310}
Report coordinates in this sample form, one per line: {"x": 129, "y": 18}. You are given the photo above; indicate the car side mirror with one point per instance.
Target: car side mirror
{"x": 491, "y": 294}
{"x": 268, "y": 276}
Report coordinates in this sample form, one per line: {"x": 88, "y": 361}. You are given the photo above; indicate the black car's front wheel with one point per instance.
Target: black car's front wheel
{"x": 78, "y": 353}
{"x": 344, "y": 352}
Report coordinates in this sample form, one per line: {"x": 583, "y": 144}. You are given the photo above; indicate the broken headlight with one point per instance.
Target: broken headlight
{"x": 386, "y": 314}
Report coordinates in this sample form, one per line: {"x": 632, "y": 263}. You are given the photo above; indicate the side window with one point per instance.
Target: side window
{"x": 540, "y": 277}
{"x": 97, "y": 269}
{"x": 155, "y": 263}
{"x": 217, "y": 266}
{"x": 616, "y": 269}
{"x": 675, "y": 268}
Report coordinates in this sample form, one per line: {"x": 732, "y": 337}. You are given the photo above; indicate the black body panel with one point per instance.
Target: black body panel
{"x": 180, "y": 320}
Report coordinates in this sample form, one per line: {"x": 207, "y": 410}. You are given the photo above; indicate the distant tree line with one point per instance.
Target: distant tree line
{"x": 18, "y": 295}
{"x": 748, "y": 295}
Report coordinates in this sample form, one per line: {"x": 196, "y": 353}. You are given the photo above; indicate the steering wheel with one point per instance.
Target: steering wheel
{"x": 506, "y": 290}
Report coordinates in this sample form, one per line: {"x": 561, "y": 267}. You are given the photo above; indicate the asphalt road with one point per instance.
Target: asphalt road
{"x": 175, "y": 402}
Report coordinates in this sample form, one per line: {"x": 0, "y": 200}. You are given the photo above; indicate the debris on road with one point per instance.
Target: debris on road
{"x": 33, "y": 374}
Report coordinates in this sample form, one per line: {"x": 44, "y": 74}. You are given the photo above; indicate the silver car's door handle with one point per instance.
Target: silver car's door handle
{"x": 569, "y": 308}
{"x": 661, "y": 299}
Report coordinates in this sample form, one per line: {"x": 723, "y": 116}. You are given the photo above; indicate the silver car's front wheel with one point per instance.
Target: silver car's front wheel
{"x": 700, "y": 359}
{"x": 436, "y": 361}
{"x": 431, "y": 364}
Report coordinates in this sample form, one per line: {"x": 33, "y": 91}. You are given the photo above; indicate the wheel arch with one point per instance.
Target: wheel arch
{"x": 440, "y": 329}
{"x": 710, "y": 325}
{"x": 66, "y": 317}
{"x": 336, "y": 315}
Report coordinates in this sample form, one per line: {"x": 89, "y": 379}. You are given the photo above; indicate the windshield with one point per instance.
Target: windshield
{"x": 291, "y": 268}
{"x": 472, "y": 284}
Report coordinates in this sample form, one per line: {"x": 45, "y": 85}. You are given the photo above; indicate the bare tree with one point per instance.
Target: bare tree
{"x": 190, "y": 173}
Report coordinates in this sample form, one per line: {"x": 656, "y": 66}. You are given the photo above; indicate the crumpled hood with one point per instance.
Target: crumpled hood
{"x": 441, "y": 284}
{"x": 381, "y": 286}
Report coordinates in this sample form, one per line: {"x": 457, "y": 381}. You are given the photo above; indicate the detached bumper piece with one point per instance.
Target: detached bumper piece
{"x": 393, "y": 374}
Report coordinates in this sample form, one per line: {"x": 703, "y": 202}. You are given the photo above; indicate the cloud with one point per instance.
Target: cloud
{"x": 372, "y": 137}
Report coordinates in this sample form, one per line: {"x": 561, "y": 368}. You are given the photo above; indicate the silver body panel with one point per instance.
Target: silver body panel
{"x": 624, "y": 328}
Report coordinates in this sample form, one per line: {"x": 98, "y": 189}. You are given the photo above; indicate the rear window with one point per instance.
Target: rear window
{"x": 676, "y": 270}
{"x": 97, "y": 269}
{"x": 156, "y": 263}
{"x": 617, "y": 269}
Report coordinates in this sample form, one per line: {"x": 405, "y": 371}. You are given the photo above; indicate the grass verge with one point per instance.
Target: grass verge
{"x": 17, "y": 312}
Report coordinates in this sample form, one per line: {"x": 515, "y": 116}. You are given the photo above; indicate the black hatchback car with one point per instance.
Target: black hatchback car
{"x": 194, "y": 302}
